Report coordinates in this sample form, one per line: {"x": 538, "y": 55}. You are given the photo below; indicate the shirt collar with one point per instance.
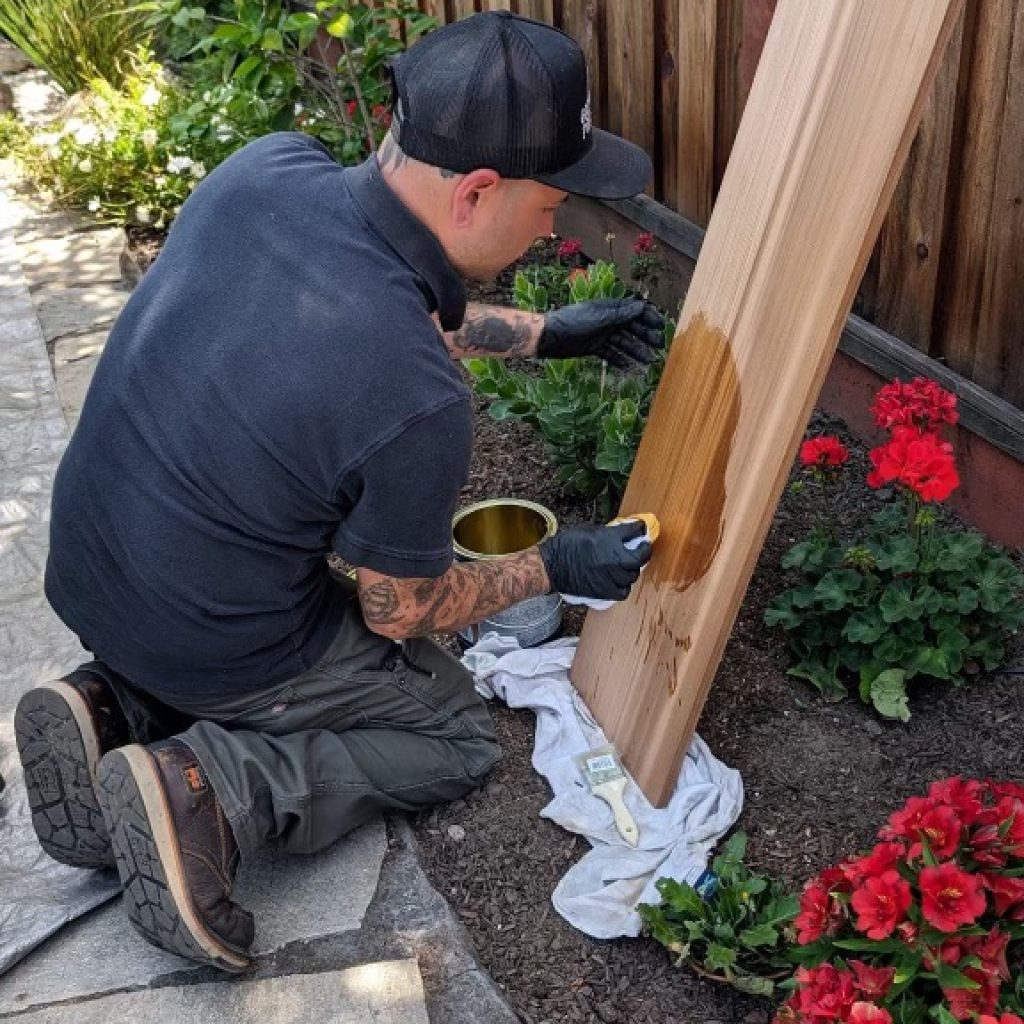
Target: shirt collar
{"x": 411, "y": 239}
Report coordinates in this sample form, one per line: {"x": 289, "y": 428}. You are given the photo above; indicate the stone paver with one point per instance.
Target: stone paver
{"x": 388, "y": 992}
{"x": 74, "y": 362}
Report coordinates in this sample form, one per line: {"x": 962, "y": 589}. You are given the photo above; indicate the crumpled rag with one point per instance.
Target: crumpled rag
{"x": 599, "y": 894}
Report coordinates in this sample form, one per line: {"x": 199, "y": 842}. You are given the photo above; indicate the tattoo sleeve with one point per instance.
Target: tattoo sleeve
{"x": 468, "y": 592}
{"x": 495, "y": 331}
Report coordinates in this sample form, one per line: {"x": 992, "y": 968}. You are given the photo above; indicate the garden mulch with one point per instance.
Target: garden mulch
{"x": 820, "y": 778}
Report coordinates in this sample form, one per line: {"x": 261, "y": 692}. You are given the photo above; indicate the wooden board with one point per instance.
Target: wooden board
{"x": 814, "y": 166}
{"x": 582, "y": 20}
{"x": 629, "y": 33}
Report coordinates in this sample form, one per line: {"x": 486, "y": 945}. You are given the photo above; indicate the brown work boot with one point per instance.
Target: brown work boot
{"x": 175, "y": 852}
{"x": 63, "y": 728}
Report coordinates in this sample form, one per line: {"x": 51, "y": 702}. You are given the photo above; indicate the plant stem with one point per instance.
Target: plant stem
{"x": 360, "y": 99}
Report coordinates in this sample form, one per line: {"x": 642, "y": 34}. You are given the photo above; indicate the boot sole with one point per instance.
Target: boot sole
{"x": 156, "y": 893}
{"x": 60, "y": 751}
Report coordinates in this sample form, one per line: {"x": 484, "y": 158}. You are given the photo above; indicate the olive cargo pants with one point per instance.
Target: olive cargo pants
{"x": 373, "y": 725}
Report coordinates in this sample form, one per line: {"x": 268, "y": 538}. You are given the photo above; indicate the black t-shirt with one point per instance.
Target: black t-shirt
{"x": 274, "y": 389}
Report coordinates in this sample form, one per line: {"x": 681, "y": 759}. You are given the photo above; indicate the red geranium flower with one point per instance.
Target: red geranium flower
{"x": 823, "y": 451}
{"x": 941, "y": 829}
{"x": 1006, "y": 1018}
{"x": 922, "y": 404}
{"x": 1006, "y": 892}
{"x": 950, "y": 897}
{"x": 815, "y": 913}
{"x": 906, "y": 822}
{"x": 872, "y": 982}
{"x": 964, "y": 1003}
{"x": 644, "y": 243}
{"x": 963, "y": 797}
{"x": 868, "y": 1013}
{"x": 881, "y": 859}
{"x": 1011, "y": 789}
{"x": 826, "y": 993}
{"x": 568, "y": 248}
{"x": 920, "y": 462}
{"x": 881, "y": 903}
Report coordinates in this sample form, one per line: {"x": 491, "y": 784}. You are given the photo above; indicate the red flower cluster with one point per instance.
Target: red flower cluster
{"x": 823, "y": 451}
{"x": 644, "y": 243}
{"x": 568, "y": 248}
{"x": 920, "y": 462}
{"x": 915, "y": 457}
{"x": 922, "y": 404}
{"x": 945, "y": 884}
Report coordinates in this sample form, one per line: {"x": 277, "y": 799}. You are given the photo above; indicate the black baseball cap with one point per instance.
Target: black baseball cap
{"x": 501, "y": 91}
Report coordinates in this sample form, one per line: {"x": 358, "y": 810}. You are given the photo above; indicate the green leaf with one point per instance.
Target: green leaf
{"x": 720, "y": 957}
{"x": 950, "y": 977}
{"x": 897, "y": 603}
{"x": 870, "y": 945}
{"x": 821, "y": 676}
{"x": 754, "y": 985}
{"x": 889, "y": 694}
{"x": 250, "y": 64}
{"x": 929, "y": 661}
{"x": 759, "y": 935}
{"x": 340, "y": 26}
{"x": 864, "y": 627}
{"x": 272, "y": 40}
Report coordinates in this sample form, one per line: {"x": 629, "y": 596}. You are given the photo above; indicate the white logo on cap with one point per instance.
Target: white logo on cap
{"x": 586, "y": 118}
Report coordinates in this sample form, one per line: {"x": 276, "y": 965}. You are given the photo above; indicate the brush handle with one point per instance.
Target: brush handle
{"x": 611, "y": 794}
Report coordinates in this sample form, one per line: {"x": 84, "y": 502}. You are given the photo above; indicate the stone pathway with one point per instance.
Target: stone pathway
{"x": 353, "y": 935}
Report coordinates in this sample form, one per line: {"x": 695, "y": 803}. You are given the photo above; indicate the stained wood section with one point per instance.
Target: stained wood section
{"x": 693, "y": 141}
{"x": 629, "y": 35}
{"x": 463, "y": 9}
{"x": 814, "y": 166}
{"x": 539, "y": 10}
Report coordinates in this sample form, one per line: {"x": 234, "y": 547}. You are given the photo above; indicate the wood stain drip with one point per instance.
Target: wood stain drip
{"x": 703, "y": 392}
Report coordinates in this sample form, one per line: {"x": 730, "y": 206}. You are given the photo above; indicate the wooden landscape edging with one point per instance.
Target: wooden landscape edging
{"x": 813, "y": 168}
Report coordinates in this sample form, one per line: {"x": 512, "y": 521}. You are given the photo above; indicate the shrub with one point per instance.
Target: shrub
{"x": 257, "y": 66}
{"x": 909, "y": 597}
{"x": 926, "y": 926}
{"x": 738, "y": 931}
{"x": 115, "y": 156}
{"x": 591, "y": 420}
{"x": 76, "y": 41}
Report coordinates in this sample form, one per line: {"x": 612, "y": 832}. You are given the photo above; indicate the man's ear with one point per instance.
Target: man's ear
{"x": 472, "y": 191}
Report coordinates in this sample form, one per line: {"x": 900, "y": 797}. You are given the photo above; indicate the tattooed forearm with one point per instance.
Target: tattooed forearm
{"x": 495, "y": 331}
{"x": 468, "y": 592}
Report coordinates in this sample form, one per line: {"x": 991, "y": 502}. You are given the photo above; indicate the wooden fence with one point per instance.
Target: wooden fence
{"x": 947, "y": 273}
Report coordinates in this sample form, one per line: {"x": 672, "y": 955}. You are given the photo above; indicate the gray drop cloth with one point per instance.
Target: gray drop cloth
{"x": 38, "y": 896}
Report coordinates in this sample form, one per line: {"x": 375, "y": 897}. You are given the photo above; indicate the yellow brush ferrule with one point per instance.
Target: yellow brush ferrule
{"x": 649, "y": 519}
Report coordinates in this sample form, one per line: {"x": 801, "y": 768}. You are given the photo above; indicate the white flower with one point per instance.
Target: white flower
{"x": 143, "y": 214}
{"x": 299, "y": 108}
{"x": 45, "y": 139}
{"x": 85, "y": 166}
{"x": 224, "y": 133}
{"x": 179, "y": 164}
{"x": 86, "y": 134}
{"x": 149, "y": 138}
{"x": 199, "y": 170}
{"x": 109, "y": 134}
{"x": 159, "y": 181}
{"x": 94, "y": 204}
{"x": 151, "y": 96}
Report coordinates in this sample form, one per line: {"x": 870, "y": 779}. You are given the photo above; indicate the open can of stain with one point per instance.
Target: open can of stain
{"x": 493, "y": 529}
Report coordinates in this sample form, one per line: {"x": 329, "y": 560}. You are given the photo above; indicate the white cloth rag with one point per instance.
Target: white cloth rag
{"x": 600, "y": 893}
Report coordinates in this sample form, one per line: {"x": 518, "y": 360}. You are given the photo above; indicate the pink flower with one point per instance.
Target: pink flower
{"x": 644, "y": 243}
{"x": 868, "y": 1013}
{"x": 568, "y": 248}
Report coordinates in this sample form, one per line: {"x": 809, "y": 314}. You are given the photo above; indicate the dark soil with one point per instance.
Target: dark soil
{"x": 820, "y": 779}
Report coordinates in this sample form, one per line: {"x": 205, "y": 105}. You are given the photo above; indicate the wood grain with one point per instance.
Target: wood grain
{"x": 910, "y": 242}
{"x": 582, "y": 19}
{"x": 694, "y": 134}
{"x": 814, "y": 166}
{"x": 629, "y": 33}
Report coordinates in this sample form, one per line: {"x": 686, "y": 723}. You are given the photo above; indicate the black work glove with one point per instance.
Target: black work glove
{"x": 616, "y": 330}
{"x": 593, "y": 561}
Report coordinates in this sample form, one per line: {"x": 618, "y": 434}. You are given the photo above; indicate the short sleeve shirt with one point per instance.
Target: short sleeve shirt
{"x": 275, "y": 389}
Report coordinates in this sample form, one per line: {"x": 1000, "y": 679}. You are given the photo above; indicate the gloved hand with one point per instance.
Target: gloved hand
{"x": 616, "y": 330}
{"x": 593, "y": 561}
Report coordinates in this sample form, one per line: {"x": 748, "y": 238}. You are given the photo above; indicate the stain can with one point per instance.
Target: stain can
{"x": 504, "y": 526}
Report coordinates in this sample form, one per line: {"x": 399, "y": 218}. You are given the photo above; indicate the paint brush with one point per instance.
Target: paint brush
{"x": 603, "y": 772}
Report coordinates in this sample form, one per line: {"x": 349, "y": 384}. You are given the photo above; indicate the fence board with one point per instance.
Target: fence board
{"x": 1000, "y": 331}
{"x": 539, "y": 10}
{"x": 694, "y": 133}
{"x": 910, "y": 243}
{"x": 629, "y": 32}
{"x": 582, "y": 19}
{"x": 436, "y": 9}
{"x": 729, "y": 95}
{"x": 463, "y": 9}
{"x": 963, "y": 269}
